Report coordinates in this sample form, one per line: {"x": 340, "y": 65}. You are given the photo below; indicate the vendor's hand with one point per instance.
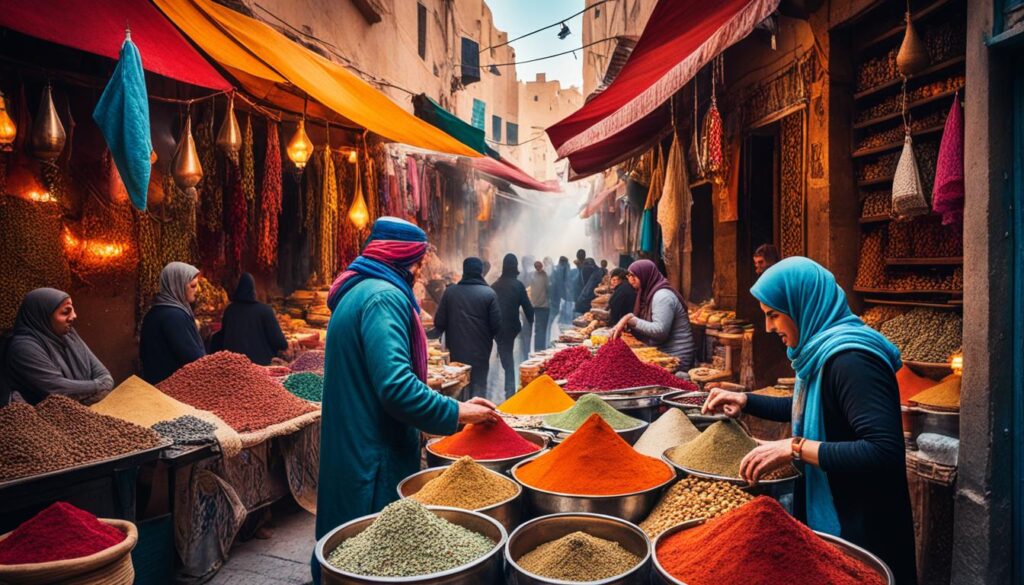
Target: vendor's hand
{"x": 765, "y": 458}
{"x": 477, "y": 411}
{"x": 720, "y": 401}
{"x": 620, "y": 327}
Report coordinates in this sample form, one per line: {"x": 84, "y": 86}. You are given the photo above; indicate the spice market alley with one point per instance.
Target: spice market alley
{"x": 643, "y": 291}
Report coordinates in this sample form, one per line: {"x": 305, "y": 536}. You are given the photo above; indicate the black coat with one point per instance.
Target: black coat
{"x": 586, "y": 297}
{"x": 249, "y": 327}
{"x": 511, "y": 296}
{"x": 469, "y": 317}
{"x": 622, "y": 302}
{"x": 863, "y": 456}
{"x": 168, "y": 340}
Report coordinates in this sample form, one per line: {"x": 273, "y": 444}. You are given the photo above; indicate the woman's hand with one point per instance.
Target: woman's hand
{"x": 620, "y": 327}
{"x": 720, "y": 401}
{"x": 477, "y": 411}
{"x": 765, "y": 458}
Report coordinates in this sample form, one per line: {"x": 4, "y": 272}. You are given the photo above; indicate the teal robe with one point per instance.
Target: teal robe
{"x": 373, "y": 405}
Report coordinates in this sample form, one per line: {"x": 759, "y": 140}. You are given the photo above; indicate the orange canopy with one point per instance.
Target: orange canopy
{"x": 264, "y": 58}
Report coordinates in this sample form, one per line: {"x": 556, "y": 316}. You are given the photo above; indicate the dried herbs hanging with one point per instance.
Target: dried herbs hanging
{"x": 178, "y": 233}
{"x": 270, "y": 201}
{"x": 30, "y": 236}
{"x": 147, "y": 281}
{"x": 328, "y": 217}
{"x": 211, "y": 191}
{"x": 248, "y": 159}
{"x": 237, "y": 217}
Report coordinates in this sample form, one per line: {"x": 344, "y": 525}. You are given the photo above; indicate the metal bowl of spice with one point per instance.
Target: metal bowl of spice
{"x": 507, "y": 511}
{"x": 690, "y": 403}
{"x": 578, "y": 548}
{"x": 484, "y": 569}
{"x": 854, "y": 552}
{"x": 630, "y": 435}
{"x": 435, "y": 459}
{"x": 775, "y": 485}
{"x": 632, "y": 506}
{"x": 643, "y": 402}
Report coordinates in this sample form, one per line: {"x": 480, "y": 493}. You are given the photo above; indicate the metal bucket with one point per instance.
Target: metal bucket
{"x": 549, "y": 528}
{"x": 435, "y": 459}
{"x": 673, "y": 399}
{"x": 848, "y": 548}
{"x": 630, "y": 435}
{"x": 486, "y": 569}
{"x": 631, "y": 507}
{"x": 642, "y": 402}
{"x": 508, "y": 512}
{"x": 775, "y": 488}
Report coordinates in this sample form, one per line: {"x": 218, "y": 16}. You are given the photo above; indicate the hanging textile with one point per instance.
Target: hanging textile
{"x": 413, "y": 177}
{"x": 908, "y": 199}
{"x": 649, "y": 231}
{"x": 727, "y": 195}
{"x": 238, "y": 215}
{"x": 948, "y": 192}
{"x": 674, "y": 212}
{"x": 485, "y": 195}
{"x": 122, "y": 114}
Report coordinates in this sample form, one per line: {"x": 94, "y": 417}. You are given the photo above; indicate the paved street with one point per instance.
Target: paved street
{"x": 281, "y": 560}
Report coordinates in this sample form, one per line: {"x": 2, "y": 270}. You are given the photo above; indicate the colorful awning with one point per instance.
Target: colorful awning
{"x": 681, "y": 37}
{"x": 98, "y": 27}
{"x": 323, "y": 80}
{"x": 507, "y": 171}
{"x": 432, "y": 112}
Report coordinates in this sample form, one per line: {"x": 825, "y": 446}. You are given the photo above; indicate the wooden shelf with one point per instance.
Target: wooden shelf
{"x": 910, "y": 106}
{"x": 896, "y": 145}
{"x": 947, "y": 261}
{"x": 873, "y": 182}
{"x": 874, "y": 219}
{"x": 918, "y": 16}
{"x": 885, "y": 291}
{"x": 947, "y": 64}
{"x": 905, "y": 303}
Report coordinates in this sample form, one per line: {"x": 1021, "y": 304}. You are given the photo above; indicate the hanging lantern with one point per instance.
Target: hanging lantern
{"x": 300, "y": 148}
{"x": 48, "y": 135}
{"x": 229, "y": 138}
{"x": 353, "y": 156}
{"x": 913, "y": 56}
{"x": 186, "y": 168}
{"x": 358, "y": 213}
{"x": 8, "y": 130}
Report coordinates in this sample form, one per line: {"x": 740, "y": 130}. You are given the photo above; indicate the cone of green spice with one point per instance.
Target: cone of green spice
{"x": 718, "y": 450}
{"x": 466, "y": 484}
{"x": 587, "y": 405}
{"x": 579, "y": 557}
{"x": 408, "y": 540}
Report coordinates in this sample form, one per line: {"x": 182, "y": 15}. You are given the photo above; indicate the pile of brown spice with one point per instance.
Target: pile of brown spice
{"x": 579, "y": 557}
{"x": 692, "y": 498}
{"x": 466, "y": 484}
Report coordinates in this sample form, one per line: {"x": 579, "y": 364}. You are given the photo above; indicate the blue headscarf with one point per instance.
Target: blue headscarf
{"x": 807, "y": 292}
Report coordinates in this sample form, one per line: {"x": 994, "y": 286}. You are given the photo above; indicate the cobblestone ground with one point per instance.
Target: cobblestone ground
{"x": 281, "y": 560}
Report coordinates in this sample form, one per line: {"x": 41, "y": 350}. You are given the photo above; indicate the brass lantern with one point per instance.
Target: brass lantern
{"x": 229, "y": 138}
{"x": 48, "y": 137}
{"x": 300, "y": 147}
{"x": 8, "y": 130}
{"x": 186, "y": 168}
{"x": 913, "y": 56}
{"x": 358, "y": 213}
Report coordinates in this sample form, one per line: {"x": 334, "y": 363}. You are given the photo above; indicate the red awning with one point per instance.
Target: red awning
{"x": 509, "y": 172}
{"x": 98, "y": 27}
{"x": 681, "y": 37}
{"x": 617, "y": 189}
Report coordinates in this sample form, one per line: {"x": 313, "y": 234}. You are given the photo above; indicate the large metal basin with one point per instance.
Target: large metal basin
{"x": 435, "y": 459}
{"x": 642, "y": 402}
{"x": 486, "y": 569}
{"x": 549, "y": 528}
{"x": 508, "y": 512}
{"x": 848, "y": 548}
{"x": 631, "y": 507}
{"x": 775, "y": 488}
{"x": 630, "y": 435}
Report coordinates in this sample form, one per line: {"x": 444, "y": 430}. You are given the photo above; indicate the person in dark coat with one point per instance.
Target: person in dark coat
{"x": 559, "y": 276}
{"x": 845, "y": 415}
{"x": 511, "y": 298}
{"x": 249, "y": 326}
{"x": 169, "y": 338}
{"x": 526, "y": 335}
{"x": 590, "y": 276}
{"x": 623, "y": 296}
{"x": 469, "y": 317}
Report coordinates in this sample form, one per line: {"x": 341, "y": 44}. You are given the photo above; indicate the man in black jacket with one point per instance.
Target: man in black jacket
{"x": 470, "y": 319}
{"x": 623, "y": 296}
{"x": 511, "y": 296}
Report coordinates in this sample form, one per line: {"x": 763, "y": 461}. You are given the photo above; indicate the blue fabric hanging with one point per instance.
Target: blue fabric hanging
{"x": 650, "y": 231}
{"x": 123, "y": 116}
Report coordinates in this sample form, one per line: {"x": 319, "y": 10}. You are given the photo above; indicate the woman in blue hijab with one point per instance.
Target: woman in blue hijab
{"x": 847, "y": 435}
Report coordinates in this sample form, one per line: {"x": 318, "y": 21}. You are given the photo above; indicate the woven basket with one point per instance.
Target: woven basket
{"x": 112, "y": 566}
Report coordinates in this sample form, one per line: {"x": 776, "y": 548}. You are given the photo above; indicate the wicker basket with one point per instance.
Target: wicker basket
{"x": 112, "y": 566}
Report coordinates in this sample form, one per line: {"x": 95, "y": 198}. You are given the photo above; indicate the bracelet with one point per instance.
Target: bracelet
{"x": 798, "y": 445}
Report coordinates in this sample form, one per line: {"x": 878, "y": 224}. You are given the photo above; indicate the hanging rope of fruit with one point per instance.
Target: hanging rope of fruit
{"x": 211, "y": 190}
{"x": 238, "y": 215}
{"x": 270, "y": 201}
{"x": 248, "y": 158}
{"x": 328, "y": 217}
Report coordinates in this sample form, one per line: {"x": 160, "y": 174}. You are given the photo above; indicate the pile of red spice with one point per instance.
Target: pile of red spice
{"x": 759, "y": 544}
{"x": 566, "y": 361}
{"x": 616, "y": 366}
{"x": 594, "y": 461}
{"x": 58, "y": 533}
{"x": 495, "y": 440}
{"x": 238, "y": 391}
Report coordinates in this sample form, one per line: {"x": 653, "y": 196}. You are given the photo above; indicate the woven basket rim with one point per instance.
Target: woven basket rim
{"x": 95, "y": 560}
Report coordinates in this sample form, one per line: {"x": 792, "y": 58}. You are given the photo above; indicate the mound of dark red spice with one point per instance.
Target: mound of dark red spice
{"x": 58, "y": 533}
{"x": 565, "y": 362}
{"x": 311, "y": 361}
{"x": 615, "y": 367}
{"x": 238, "y": 391}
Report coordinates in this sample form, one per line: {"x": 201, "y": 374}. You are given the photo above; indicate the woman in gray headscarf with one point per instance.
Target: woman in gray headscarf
{"x": 46, "y": 356}
{"x": 169, "y": 338}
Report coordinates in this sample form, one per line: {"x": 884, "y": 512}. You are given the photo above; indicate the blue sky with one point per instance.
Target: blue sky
{"x": 518, "y": 17}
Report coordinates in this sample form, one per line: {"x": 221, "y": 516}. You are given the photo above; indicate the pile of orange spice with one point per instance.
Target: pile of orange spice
{"x": 594, "y": 461}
